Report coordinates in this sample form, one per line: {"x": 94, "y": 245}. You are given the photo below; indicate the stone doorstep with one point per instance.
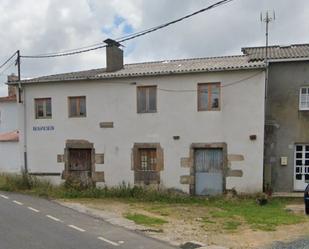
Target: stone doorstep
{"x": 117, "y": 220}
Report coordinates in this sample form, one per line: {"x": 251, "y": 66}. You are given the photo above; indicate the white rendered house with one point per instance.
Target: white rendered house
{"x": 196, "y": 124}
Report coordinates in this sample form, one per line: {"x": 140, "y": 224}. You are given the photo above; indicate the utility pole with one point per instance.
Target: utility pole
{"x": 18, "y": 75}
{"x": 24, "y": 113}
{"x": 267, "y": 19}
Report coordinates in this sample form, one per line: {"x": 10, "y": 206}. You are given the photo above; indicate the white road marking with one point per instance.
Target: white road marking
{"x": 53, "y": 218}
{"x": 77, "y": 228}
{"x": 120, "y": 242}
{"x": 18, "y": 203}
{"x": 33, "y": 209}
{"x": 108, "y": 241}
{"x": 4, "y": 196}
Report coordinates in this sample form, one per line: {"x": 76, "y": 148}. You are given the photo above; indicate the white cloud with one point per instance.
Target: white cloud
{"x": 44, "y": 26}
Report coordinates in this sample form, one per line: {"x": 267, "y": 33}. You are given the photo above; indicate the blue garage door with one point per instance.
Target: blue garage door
{"x": 208, "y": 171}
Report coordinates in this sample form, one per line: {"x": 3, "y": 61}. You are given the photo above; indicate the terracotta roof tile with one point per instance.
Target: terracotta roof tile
{"x": 12, "y": 136}
{"x": 8, "y": 99}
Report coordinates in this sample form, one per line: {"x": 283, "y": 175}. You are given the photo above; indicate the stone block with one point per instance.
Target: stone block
{"x": 235, "y": 173}
{"x": 98, "y": 176}
{"x": 235, "y": 157}
{"x": 186, "y": 179}
{"x": 99, "y": 158}
{"x": 186, "y": 162}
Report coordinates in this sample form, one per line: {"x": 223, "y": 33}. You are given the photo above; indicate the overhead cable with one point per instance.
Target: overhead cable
{"x": 141, "y": 33}
{"x": 124, "y": 38}
{"x": 12, "y": 56}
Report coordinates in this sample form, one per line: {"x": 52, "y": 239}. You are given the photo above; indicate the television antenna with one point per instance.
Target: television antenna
{"x": 267, "y": 19}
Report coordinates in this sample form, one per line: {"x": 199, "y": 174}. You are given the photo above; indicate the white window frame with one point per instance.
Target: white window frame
{"x": 304, "y": 107}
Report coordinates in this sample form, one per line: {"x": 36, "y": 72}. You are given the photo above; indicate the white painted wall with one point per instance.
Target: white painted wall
{"x": 8, "y": 116}
{"x": 242, "y": 114}
{"x": 10, "y": 157}
{"x": 9, "y": 151}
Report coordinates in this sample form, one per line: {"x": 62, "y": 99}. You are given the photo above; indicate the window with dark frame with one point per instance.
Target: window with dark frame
{"x": 43, "y": 108}
{"x": 146, "y": 99}
{"x": 208, "y": 96}
{"x": 148, "y": 159}
{"x": 77, "y": 106}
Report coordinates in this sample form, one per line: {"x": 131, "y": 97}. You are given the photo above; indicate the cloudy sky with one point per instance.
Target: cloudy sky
{"x": 36, "y": 27}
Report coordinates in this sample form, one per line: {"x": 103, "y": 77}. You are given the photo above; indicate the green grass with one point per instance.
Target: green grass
{"x": 220, "y": 210}
{"x": 145, "y": 220}
{"x": 265, "y": 218}
{"x": 231, "y": 225}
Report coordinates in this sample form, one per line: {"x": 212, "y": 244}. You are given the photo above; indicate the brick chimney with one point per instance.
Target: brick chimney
{"x": 114, "y": 56}
{"x": 12, "y": 89}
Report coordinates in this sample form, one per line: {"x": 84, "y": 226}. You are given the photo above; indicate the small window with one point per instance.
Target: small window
{"x": 77, "y": 106}
{"x": 208, "y": 96}
{"x": 304, "y": 99}
{"x": 43, "y": 108}
{"x": 148, "y": 159}
{"x": 146, "y": 99}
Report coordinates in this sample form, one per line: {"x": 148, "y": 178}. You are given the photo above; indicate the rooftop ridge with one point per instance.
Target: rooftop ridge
{"x": 140, "y": 63}
{"x": 188, "y": 59}
{"x": 278, "y": 46}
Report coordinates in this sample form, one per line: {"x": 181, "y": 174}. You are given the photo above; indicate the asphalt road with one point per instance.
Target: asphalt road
{"x": 302, "y": 243}
{"x": 33, "y": 223}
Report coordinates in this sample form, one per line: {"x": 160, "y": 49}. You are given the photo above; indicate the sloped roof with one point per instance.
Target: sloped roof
{"x": 295, "y": 51}
{"x": 197, "y": 65}
{"x": 8, "y": 99}
{"x": 12, "y": 136}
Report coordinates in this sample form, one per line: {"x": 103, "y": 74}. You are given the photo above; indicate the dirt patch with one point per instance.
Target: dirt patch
{"x": 193, "y": 222}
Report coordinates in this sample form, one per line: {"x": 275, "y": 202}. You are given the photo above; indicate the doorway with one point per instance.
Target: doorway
{"x": 301, "y": 166}
{"x": 80, "y": 165}
{"x": 208, "y": 165}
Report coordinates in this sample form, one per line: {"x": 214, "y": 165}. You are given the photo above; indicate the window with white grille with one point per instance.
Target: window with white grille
{"x": 304, "y": 99}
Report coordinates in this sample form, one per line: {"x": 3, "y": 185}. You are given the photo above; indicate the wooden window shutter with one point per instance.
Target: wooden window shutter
{"x": 160, "y": 159}
{"x": 135, "y": 159}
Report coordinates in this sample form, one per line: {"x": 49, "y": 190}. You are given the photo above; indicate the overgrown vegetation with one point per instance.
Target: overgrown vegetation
{"x": 72, "y": 189}
{"x": 227, "y": 213}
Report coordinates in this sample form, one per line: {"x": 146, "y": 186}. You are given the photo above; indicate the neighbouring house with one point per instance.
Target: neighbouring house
{"x": 10, "y": 160}
{"x": 287, "y": 116}
{"x": 194, "y": 124}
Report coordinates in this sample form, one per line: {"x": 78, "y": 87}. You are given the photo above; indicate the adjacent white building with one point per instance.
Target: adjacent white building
{"x": 196, "y": 124}
{"x": 10, "y": 160}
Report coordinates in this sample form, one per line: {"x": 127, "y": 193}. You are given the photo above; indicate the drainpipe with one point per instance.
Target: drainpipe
{"x": 25, "y": 130}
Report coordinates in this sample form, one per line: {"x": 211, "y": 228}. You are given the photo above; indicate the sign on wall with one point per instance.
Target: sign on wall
{"x": 43, "y": 128}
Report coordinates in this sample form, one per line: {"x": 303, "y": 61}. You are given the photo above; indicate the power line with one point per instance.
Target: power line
{"x": 63, "y": 54}
{"x": 8, "y": 67}
{"x": 222, "y": 86}
{"x": 71, "y": 50}
{"x": 125, "y": 38}
{"x": 3, "y": 64}
{"x": 141, "y": 33}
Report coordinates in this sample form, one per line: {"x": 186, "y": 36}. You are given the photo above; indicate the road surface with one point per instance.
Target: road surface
{"x": 302, "y": 243}
{"x": 32, "y": 223}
